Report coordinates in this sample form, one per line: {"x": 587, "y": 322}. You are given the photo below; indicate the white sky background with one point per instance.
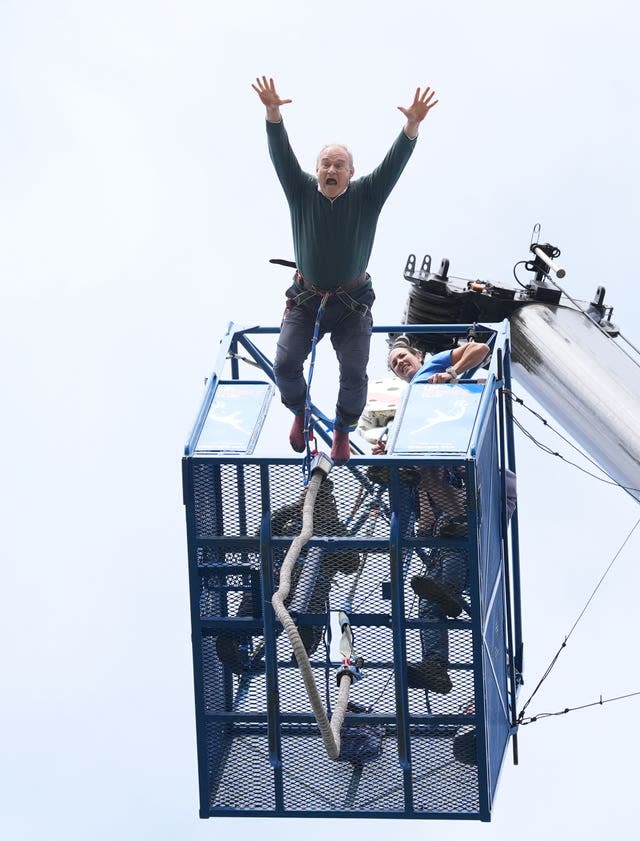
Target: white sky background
{"x": 138, "y": 210}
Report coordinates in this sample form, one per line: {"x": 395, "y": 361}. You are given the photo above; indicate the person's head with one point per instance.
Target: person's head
{"x": 405, "y": 361}
{"x": 334, "y": 168}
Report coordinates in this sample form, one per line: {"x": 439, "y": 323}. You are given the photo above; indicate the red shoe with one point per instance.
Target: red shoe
{"x": 296, "y": 436}
{"x": 340, "y": 451}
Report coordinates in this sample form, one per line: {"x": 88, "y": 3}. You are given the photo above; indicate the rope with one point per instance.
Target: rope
{"x": 624, "y": 339}
{"x": 600, "y": 703}
{"x": 590, "y": 318}
{"x": 549, "y": 451}
{"x": 329, "y": 730}
{"x": 575, "y": 624}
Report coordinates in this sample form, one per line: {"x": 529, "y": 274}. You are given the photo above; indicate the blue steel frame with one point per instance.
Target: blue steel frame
{"x": 493, "y": 414}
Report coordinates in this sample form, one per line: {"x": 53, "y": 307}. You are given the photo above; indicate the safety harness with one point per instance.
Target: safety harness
{"x": 340, "y": 292}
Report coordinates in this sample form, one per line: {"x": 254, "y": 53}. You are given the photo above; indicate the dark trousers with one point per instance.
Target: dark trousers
{"x": 451, "y": 569}
{"x": 350, "y": 336}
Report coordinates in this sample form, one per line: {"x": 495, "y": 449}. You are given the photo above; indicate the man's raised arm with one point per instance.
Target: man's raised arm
{"x": 422, "y": 103}
{"x": 266, "y": 90}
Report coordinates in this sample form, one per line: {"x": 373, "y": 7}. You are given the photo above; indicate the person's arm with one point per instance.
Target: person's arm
{"x": 383, "y": 179}
{"x": 462, "y": 359}
{"x": 422, "y": 103}
{"x": 266, "y": 90}
{"x": 282, "y": 156}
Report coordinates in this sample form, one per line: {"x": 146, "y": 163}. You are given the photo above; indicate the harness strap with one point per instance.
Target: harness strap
{"x": 347, "y": 300}
{"x": 341, "y": 293}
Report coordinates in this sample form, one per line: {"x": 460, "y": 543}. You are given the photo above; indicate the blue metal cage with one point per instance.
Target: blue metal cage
{"x": 407, "y": 751}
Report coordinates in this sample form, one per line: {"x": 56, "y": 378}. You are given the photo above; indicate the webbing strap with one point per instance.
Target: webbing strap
{"x": 306, "y": 462}
{"x": 341, "y": 293}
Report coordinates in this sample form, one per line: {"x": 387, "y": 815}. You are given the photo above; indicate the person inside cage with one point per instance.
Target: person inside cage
{"x": 233, "y": 649}
{"x": 412, "y": 366}
{"x": 441, "y": 588}
{"x": 441, "y": 513}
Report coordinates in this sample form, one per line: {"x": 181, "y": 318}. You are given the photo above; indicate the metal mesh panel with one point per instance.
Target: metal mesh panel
{"x": 214, "y": 677}
{"x": 496, "y": 698}
{"x": 493, "y": 594}
{"x": 490, "y": 520}
{"x": 245, "y": 781}
{"x": 227, "y": 499}
{"x": 345, "y": 566}
{"x": 206, "y": 498}
{"x": 228, "y": 580}
{"x": 312, "y": 782}
{"x": 441, "y": 784}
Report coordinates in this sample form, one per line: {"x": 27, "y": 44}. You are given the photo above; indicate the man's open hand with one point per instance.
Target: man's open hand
{"x": 266, "y": 90}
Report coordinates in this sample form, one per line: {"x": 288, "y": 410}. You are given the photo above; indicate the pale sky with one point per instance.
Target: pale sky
{"x": 138, "y": 212}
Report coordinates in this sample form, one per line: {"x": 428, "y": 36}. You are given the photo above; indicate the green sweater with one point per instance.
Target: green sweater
{"x": 333, "y": 240}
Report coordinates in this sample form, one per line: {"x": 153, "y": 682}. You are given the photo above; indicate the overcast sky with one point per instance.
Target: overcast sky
{"x": 138, "y": 211}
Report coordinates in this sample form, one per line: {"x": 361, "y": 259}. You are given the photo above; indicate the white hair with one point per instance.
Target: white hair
{"x": 340, "y": 146}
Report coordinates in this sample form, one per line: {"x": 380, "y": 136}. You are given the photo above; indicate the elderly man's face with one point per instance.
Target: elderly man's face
{"x": 334, "y": 171}
{"x": 404, "y": 363}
